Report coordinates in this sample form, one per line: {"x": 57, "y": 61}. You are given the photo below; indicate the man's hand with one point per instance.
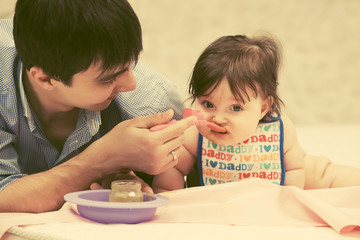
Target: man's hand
{"x": 131, "y": 144}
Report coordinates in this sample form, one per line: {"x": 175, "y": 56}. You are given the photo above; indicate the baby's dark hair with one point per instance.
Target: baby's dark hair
{"x": 64, "y": 37}
{"x": 244, "y": 62}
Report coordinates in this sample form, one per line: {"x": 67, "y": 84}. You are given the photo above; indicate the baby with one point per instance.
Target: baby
{"x": 234, "y": 85}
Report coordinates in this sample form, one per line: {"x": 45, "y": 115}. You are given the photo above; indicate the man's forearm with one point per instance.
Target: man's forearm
{"x": 45, "y": 191}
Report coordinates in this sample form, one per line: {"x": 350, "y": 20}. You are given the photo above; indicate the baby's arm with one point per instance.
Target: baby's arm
{"x": 311, "y": 172}
{"x": 169, "y": 180}
{"x": 321, "y": 173}
{"x": 294, "y": 156}
{"x": 173, "y": 178}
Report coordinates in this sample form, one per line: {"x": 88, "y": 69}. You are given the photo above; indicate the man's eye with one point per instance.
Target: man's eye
{"x": 236, "y": 108}
{"x": 207, "y": 104}
{"x": 111, "y": 81}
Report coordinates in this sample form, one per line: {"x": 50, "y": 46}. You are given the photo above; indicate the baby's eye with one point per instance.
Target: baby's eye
{"x": 236, "y": 108}
{"x": 207, "y": 104}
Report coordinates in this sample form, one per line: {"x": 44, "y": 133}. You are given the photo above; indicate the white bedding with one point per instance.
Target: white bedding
{"x": 340, "y": 143}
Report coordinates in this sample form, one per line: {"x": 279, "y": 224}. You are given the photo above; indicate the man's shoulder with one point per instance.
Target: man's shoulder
{"x": 153, "y": 93}
{"x": 7, "y": 59}
{"x": 7, "y": 45}
{"x": 144, "y": 72}
{"x": 151, "y": 83}
{"x": 6, "y": 33}
{"x": 7, "y": 52}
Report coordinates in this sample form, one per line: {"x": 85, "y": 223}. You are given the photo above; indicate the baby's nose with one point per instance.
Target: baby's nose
{"x": 219, "y": 118}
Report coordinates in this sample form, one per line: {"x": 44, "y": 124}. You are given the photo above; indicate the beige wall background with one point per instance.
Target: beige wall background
{"x": 319, "y": 78}
{"x": 7, "y": 8}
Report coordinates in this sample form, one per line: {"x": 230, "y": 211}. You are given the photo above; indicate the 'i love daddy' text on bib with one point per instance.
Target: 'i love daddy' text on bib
{"x": 260, "y": 156}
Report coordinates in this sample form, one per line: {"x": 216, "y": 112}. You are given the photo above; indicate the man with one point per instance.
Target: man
{"x": 65, "y": 120}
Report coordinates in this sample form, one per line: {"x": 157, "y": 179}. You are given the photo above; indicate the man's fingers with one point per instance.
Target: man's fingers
{"x": 95, "y": 186}
{"x": 146, "y": 188}
{"x": 153, "y": 120}
{"x": 171, "y": 163}
{"x": 178, "y": 128}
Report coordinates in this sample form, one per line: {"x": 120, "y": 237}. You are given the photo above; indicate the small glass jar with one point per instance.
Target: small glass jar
{"x": 126, "y": 191}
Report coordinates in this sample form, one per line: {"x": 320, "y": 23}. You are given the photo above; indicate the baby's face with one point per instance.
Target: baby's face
{"x": 238, "y": 118}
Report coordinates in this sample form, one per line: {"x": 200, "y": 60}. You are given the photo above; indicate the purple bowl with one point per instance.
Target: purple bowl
{"x": 95, "y": 205}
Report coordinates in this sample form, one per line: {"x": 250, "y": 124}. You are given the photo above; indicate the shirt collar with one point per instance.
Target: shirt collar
{"x": 24, "y": 101}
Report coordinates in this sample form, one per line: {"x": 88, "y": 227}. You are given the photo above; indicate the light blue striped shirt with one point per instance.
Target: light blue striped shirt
{"x": 24, "y": 148}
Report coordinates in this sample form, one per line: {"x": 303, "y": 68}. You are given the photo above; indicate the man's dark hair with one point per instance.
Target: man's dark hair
{"x": 64, "y": 37}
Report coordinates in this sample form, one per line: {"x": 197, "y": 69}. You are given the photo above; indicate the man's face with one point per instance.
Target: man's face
{"x": 94, "y": 89}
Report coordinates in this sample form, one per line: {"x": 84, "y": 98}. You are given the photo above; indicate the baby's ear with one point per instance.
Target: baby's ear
{"x": 266, "y": 105}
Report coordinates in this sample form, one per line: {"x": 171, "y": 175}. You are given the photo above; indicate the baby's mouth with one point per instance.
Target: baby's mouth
{"x": 223, "y": 132}
{"x": 216, "y": 128}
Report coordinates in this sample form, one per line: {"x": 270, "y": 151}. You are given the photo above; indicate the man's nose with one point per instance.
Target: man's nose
{"x": 127, "y": 84}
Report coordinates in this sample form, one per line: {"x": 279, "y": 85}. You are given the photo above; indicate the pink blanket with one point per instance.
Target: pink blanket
{"x": 251, "y": 202}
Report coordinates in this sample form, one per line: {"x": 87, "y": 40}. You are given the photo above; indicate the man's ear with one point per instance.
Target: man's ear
{"x": 39, "y": 77}
{"x": 266, "y": 105}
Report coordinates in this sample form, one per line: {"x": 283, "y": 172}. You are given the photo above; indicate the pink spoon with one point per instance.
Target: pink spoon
{"x": 200, "y": 122}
